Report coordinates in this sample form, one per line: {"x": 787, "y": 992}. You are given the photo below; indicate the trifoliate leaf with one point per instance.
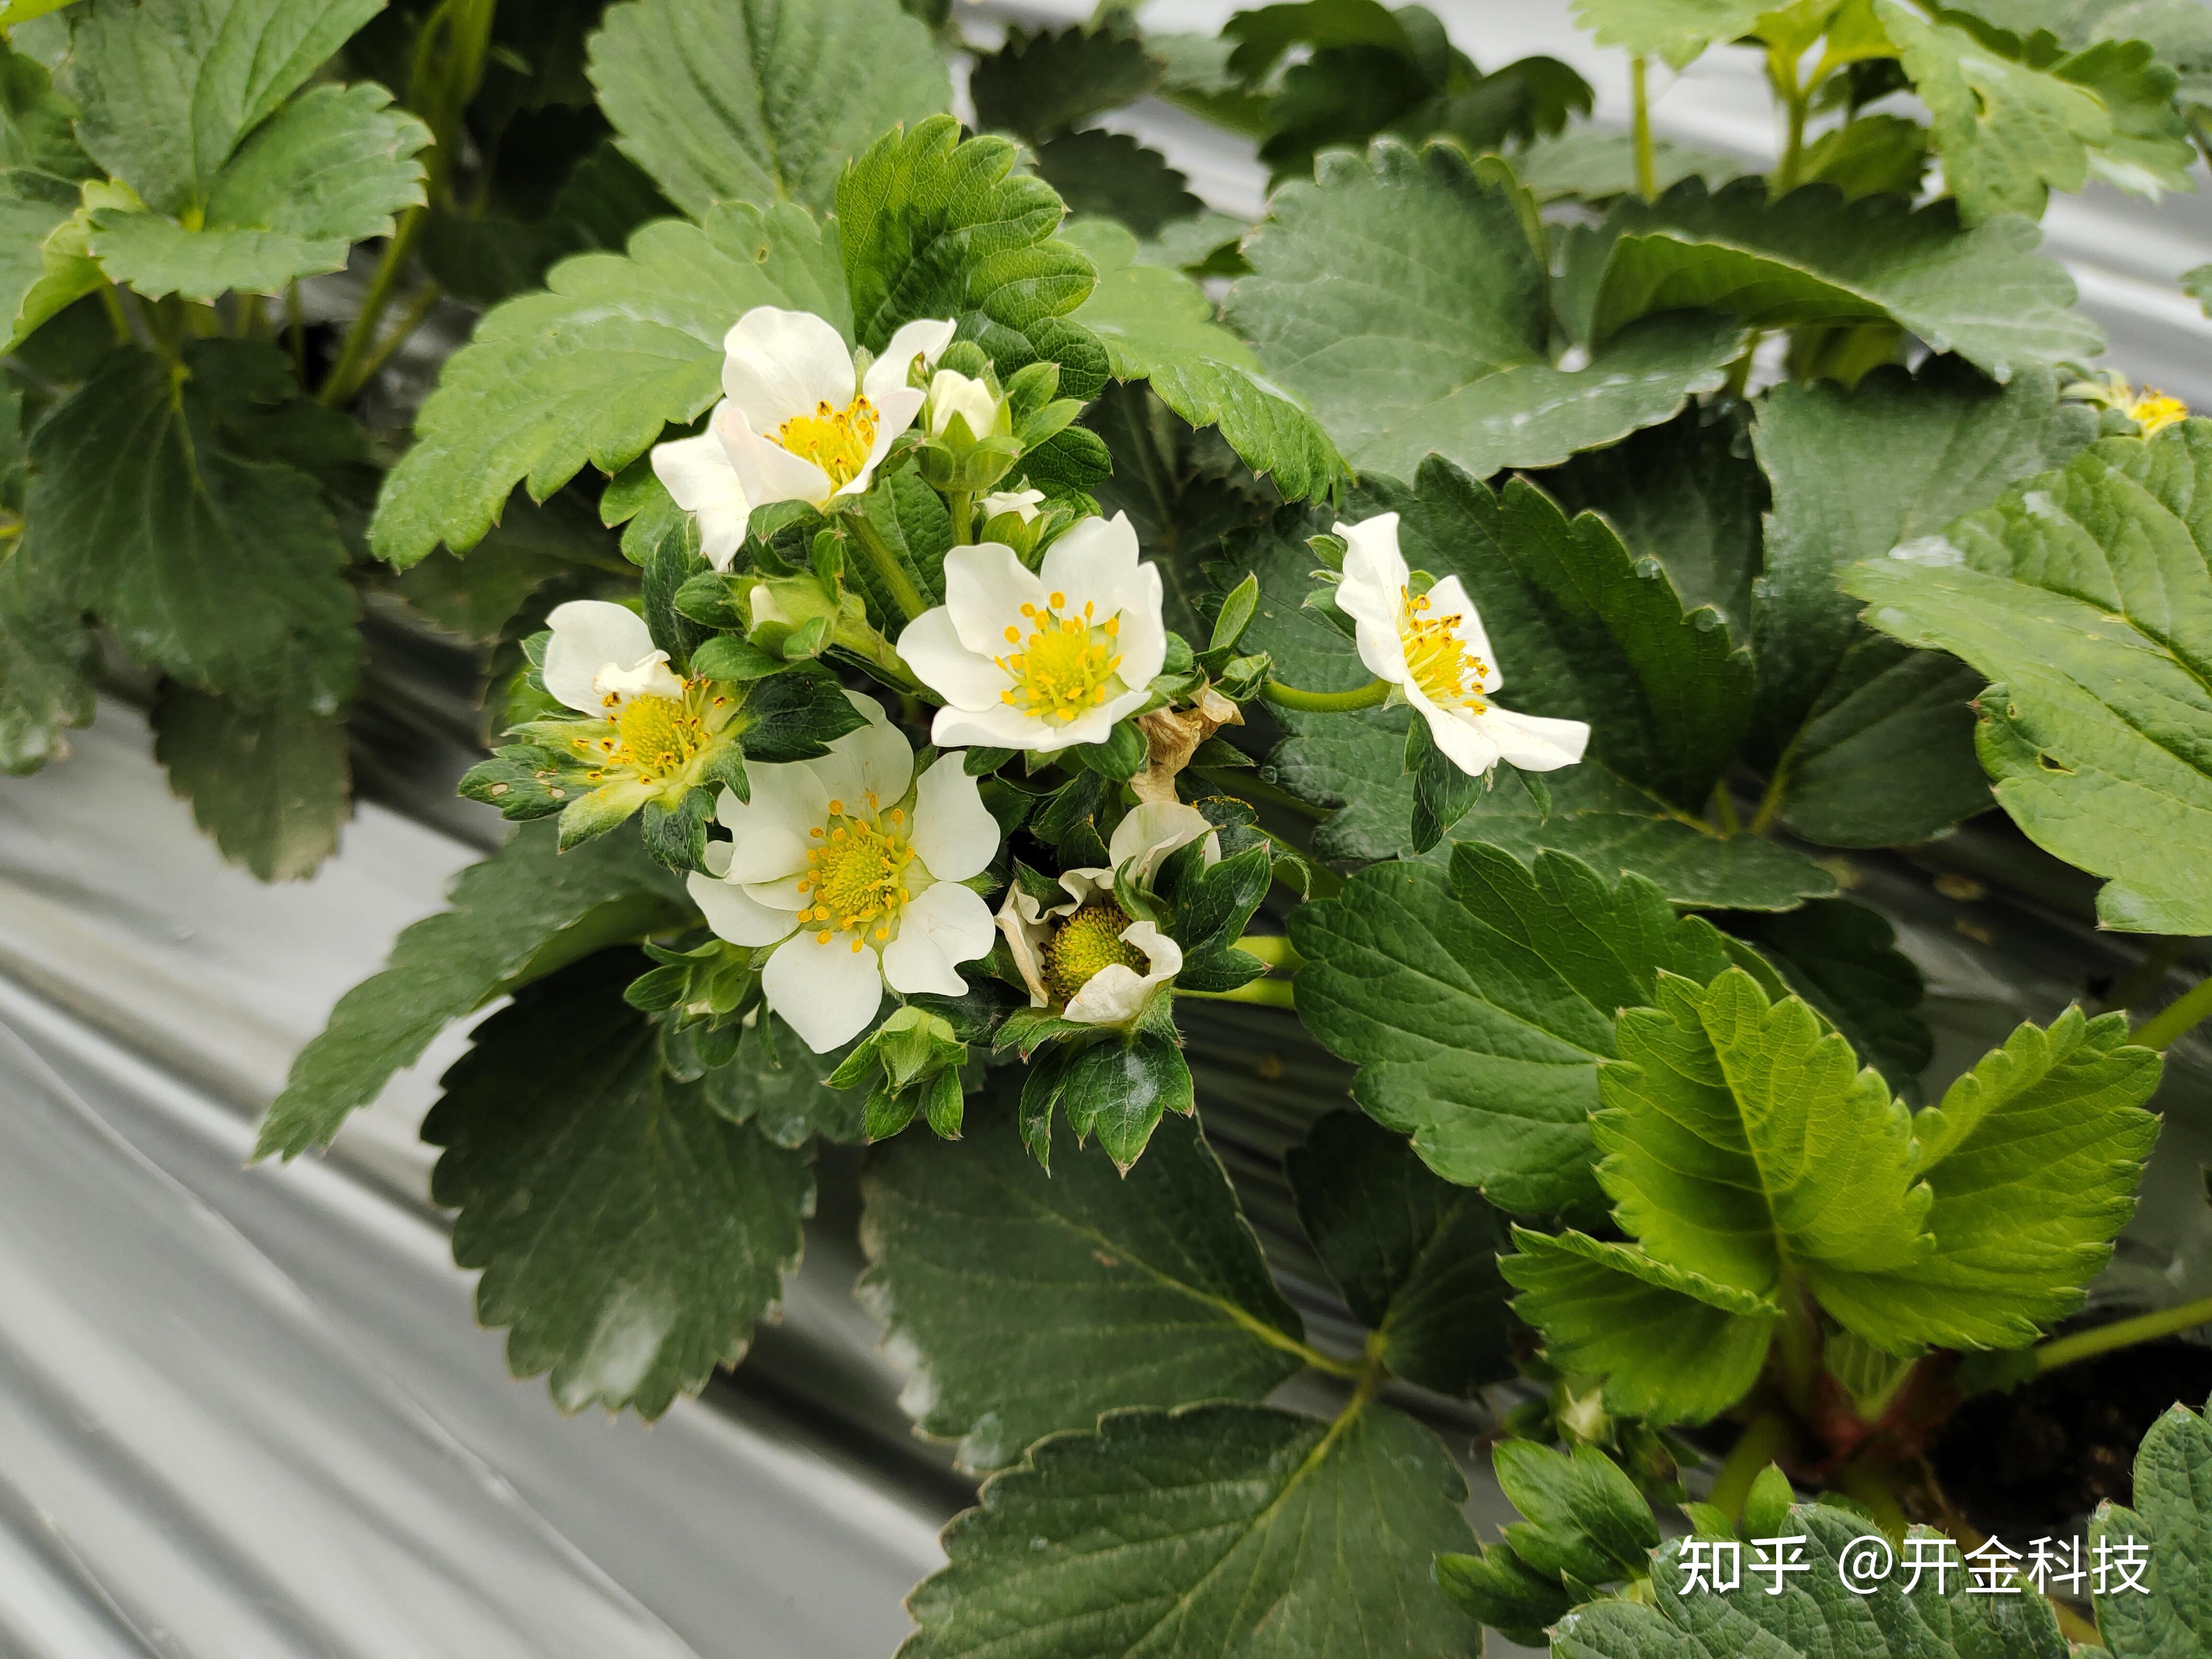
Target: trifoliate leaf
{"x": 1218, "y": 1529}
{"x": 328, "y": 170}
{"x": 2011, "y": 125}
{"x": 1024, "y": 1302}
{"x": 166, "y": 91}
{"x": 1113, "y": 176}
{"x": 1416, "y": 1257}
{"x": 1815, "y": 1616}
{"x": 1675, "y": 31}
{"x": 154, "y": 508}
{"x": 592, "y": 369}
{"x": 1812, "y": 258}
{"x": 1405, "y": 297}
{"x": 1480, "y": 1007}
{"x": 2084, "y": 593}
{"x": 1842, "y": 959}
{"x": 1158, "y": 324}
{"x": 516, "y": 916}
{"x": 2171, "y": 1515}
{"x": 760, "y": 102}
{"x": 1040, "y": 84}
{"x": 269, "y": 783}
{"x": 1871, "y": 741}
{"x": 630, "y": 1237}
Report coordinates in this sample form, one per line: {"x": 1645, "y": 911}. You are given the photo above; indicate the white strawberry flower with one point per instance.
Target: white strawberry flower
{"x": 1023, "y": 504}
{"x": 799, "y": 421}
{"x": 1087, "y": 951}
{"x": 851, "y": 867}
{"x": 1041, "y": 660}
{"x": 1432, "y": 649}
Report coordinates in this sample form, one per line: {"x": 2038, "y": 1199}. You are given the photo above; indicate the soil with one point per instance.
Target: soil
{"x": 2040, "y": 1458}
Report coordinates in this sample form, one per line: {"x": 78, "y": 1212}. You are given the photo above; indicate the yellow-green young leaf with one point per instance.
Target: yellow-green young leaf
{"x": 2012, "y": 120}
{"x": 2171, "y": 1515}
{"x": 43, "y": 265}
{"x": 760, "y": 100}
{"x": 591, "y": 370}
{"x": 2085, "y": 594}
{"x": 1404, "y": 295}
{"x": 1025, "y": 1303}
{"x": 1480, "y": 1010}
{"x": 1157, "y": 325}
{"x": 630, "y": 1237}
{"x": 1842, "y": 959}
{"x": 1812, "y": 258}
{"x": 328, "y": 170}
{"x": 1676, "y": 31}
{"x": 1873, "y": 742}
{"x": 269, "y": 782}
{"x": 518, "y": 916}
{"x": 1817, "y": 1616}
{"x": 1218, "y": 1529}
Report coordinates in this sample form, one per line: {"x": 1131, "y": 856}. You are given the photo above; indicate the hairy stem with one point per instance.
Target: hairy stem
{"x": 2163, "y": 956}
{"x": 410, "y": 320}
{"x": 111, "y": 301}
{"x": 352, "y": 368}
{"x": 1639, "y": 99}
{"x": 1867, "y": 1485}
{"x": 1765, "y": 1440}
{"x": 894, "y": 576}
{"x": 1797, "y": 103}
{"x": 1268, "y": 993}
{"x": 2161, "y": 1029}
{"x": 962, "y": 504}
{"x": 1724, "y": 810}
{"x": 1373, "y": 695}
{"x": 2122, "y": 1333}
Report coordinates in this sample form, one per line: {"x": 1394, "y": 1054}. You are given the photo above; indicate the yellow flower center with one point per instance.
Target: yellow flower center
{"x": 1086, "y": 942}
{"x": 2153, "y": 411}
{"x": 655, "y": 738}
{"x": 1448, "y": 674}
{"x": 856, "y": 874}
{"x": 838, "y": 441}
{"x": 1065, "y": 664}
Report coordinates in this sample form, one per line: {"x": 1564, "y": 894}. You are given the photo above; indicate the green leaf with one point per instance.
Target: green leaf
{"x": 154, "y": 507}
{"x": 1416, "y": 1257}
{"x": 1817, "y": 1616}
{"x": 328, "y": 170}
{"x": 1872, "y": 741}
{"x": 2011, "y": 125}
{"x": 44, "y": 267}
{"x": 1593, "y": 166}
{"x": 1405, "y": 297}
{"x": 760, "y": 102}
{"x": 1676, "y": 31}
{"x": 487, "y": 257}
{"x": 1025, "y": 1303}
{"x": 630, "y": 1237}
{"x": 2171, "y": 1513}
{"x": 1584, "y": 1518}
{"x": 1842, "y": 959}
{"x": 517, "y": 915}
{"x": 1480, "y": 1009}
{"x": 1113, "y": 175}
{"x": 1218, "y": 1529}
{"x": 1041, "y": 83}
{"x": 48, "y": 657}
{"x": 1812, "y": 258}
{"x": 269, "y": 783}
{"x": 2085, "y": 593}
{"x": 592, "y": 370}
{"x": 1157, "y": 325}
{"x": 780, "y": 1086}
{"x": 166, "y": 91}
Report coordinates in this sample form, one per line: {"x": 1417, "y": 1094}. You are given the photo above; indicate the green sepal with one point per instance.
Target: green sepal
{"x": 706, "y": 599}
{"x": 1118, "y": 1088}
{"x": 730, "y": 658}
{"x": 1443, "y": 793}
{"x": 1234, "y": 615}
{"x": 524, "y": 780}
{"x": 890, "y": 1110}
{"x": 1767, "y": 1505}
{"x": 676, "y": 837}
{"x": 981, "y": 762}
{"x": 725, "y": 768}
{"x": 796, "y": 716}
{"x": 947, "y": 1104}
{"x": 1121, "y": 757}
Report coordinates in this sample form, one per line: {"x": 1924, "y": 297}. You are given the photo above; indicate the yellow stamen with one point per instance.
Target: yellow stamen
{"x": 838, "y": 441}
{"x": 1066, "y": 666}
{"x": 1437, "y": 659}
{"x": 857, "y": 877}
{"x": 1086, "y": 942}
{"x": 660, "y": 736}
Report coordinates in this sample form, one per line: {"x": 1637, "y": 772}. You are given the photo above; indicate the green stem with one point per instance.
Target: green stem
{"x": 1639, "y": 99}
{"x": 295, "y": 323}
{"x": 1268, "y": 993}
{"x": 962, "y": 505}
{"x": 1724, "y": 810}
{"x": 410, "y": 320}
{"x": 1866, "y": 1484}
{"x": 1373, "y": 695}
{"x": 1273, "y": 949}
{"x": 2122, "y": 1333}
{"x": 1765, "y": 1440}
{"x": 118, "y": 319}
{"x": 352, "y": 368}
{"x": 2163, "y": 956}
{"x": 2160, "y": 1031}
{"x": 895, "y": 579}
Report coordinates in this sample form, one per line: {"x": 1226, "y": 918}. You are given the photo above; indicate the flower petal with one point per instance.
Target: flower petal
{"x": 776, "y": 364}
{"x": 1024, "y": 936}
{"x": 943, "y": 925}
{"x": 1144, "y": 636}
{"x": 932, "y": 647}
{"x": 954, "y": 834}
{"x": 1532, "y": 742}
{"x": 1093, "y": 560}
{"x": 1003, "y": 726}
{"x": 766, "y": 470}
{"x": 893, "y": 416}
{"x": 1151, "y": 829}
{"x": 1448, "y": 599}
{"x": 699, "y": 475}
{"x": 827, "y": 992}
{"x": 734, "y": 916}
{"x": 1372, "y": 558}
{"x": 924, "y": 338}
{"x": 587, "y": 636}
{"x": 1117, "y": 994}
{"x": 1466, "y": 741}
{"x": 986, "y": 585}
{"x": 769, "y": 834}
{"x": 874, "y": 759}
